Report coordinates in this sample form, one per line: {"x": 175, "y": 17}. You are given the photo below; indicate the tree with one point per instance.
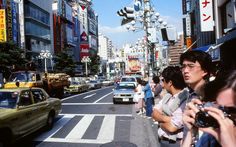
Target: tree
{"x": 94, "y": 64}
{"x": 64, "y": 62}
{"x": 11, "y": 57}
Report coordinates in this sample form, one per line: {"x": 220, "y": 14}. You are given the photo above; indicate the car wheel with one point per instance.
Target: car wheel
{"x": 114, "y": 101}
{"x": 50, "y": 121}
{"x": 5, "y": 138}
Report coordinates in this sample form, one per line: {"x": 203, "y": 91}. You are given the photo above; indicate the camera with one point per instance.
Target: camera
{"x": 204, "y": 120}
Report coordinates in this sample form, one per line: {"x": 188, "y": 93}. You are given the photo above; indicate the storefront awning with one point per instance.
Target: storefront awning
{"x": 203, "y": 48}
{"x": 214, "y": 51}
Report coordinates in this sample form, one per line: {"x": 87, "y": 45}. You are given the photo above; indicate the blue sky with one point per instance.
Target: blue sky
{"x": 110, "y": 23}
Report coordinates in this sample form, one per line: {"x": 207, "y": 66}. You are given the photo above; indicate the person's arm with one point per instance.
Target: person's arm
{"x": 175, "y": 123}
{"x": 158, "y": 116}
{"x": 169, "y": 127}
{"x": 189, "y": 120}
{"x": 187, "y": 140}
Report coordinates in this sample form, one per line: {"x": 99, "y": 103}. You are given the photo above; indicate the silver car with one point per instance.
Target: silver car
{"x": 124, "y": 92}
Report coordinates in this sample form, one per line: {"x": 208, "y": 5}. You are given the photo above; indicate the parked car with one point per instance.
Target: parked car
{"x": 94, "y": 84}
{"x": 77, "y": 87}
{"x": 124, "y": 92}
{"x": 107, "y": 82}
{"x": 25, "y": 110}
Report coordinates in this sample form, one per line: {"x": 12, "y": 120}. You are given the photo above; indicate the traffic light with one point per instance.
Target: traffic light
{"x": 127, "y": 13}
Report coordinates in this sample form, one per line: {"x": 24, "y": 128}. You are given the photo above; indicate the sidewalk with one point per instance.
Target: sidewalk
{"x": 143, "y": 131}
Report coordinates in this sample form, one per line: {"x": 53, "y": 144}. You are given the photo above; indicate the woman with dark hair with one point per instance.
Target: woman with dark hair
{"x": 223, "y": 90}
{"x": 148, "y": 98}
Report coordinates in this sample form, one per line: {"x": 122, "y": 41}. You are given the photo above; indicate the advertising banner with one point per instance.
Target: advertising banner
{"x": 9, "y": 21}
{"x": 3, "y": 35}
{"x": 206, "y": 15}
{"x": 83, "y": 23}
{"x": 14, "y": 22}
{"x": 134, "y": 64}
{"x": 84, "y": 50}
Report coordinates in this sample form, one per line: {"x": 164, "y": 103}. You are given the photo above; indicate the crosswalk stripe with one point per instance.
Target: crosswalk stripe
{"x": 57, "y": 126}
{"x": 105, "y": 134}
{"x": 79, "y": 130}
{"x": 107, "y": 129}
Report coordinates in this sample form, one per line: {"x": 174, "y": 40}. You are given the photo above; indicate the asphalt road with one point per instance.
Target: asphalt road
{"x": 91, "y": 119}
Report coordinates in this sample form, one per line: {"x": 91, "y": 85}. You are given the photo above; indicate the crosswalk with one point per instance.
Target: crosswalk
{"x": 82, "y": 128}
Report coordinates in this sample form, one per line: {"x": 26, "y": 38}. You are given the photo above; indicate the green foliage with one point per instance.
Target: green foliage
{"x": 11, "y": 55}
{"x": 64, "y": 62}
{"x": 94, "y": 64}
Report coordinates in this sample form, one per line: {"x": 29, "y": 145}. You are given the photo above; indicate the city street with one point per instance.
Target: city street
{"x": 91, "y": 120}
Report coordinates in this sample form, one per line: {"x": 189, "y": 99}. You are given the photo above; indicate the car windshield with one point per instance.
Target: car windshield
{"x": 8, "y": 99}
{"x": 21, "y": 77}
{"x": 74, "y": 82}
{"x": 125, "y": 86}
{"x": 128, "y": 80}
{"x": 93, "y": 81}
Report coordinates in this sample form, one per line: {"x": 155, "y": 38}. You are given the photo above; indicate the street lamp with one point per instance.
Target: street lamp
{"x": 45, "y": 54}
{"x": 85, "y": 60}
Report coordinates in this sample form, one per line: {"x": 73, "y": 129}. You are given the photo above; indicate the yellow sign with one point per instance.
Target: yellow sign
{"x": 3, "y": 37}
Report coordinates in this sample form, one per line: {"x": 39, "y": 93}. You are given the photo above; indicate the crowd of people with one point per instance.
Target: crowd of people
{"x": 192, "y": 105}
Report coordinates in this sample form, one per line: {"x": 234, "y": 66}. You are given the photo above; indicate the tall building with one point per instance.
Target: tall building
{"x": 175, "y": 50}
{"x": 103, "y": 47}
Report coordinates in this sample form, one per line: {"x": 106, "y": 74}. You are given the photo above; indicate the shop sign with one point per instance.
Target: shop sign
{"x": 3, "y": 37}
{"x": 206, "y": 15}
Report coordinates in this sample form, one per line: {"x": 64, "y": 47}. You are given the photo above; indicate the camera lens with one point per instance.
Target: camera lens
{"x": 204, "y": 120}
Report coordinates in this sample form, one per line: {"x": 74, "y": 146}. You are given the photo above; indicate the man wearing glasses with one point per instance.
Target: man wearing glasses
{"x": 196, "y": 67}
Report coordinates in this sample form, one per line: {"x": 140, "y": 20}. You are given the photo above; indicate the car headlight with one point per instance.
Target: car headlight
{"x": 116, "y": 95}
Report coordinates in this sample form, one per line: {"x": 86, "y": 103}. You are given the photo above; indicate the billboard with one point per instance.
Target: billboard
{"x": 3, "y": 35}
{"x": 84, "y": 50}
{"x": 134, "y": 64}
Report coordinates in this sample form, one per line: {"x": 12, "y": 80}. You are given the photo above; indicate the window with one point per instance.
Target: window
{"x": 25, "y": 98}
{"x": 38, "y": 96}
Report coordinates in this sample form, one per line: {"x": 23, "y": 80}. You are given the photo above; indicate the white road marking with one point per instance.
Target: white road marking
{"x": 107, "y": 129}
{"x": 87, "y": 103}
{"x": 72, "y": 115}
{"x": 105, "y": 135}
{"x": 57, "y": 126}
{"x": 72, "y": 140}
{"x": 88, "y": 96}
{"x": 79, "y": 130}
{"x": 102, "y": 97}
{"x": 70, "y": 97}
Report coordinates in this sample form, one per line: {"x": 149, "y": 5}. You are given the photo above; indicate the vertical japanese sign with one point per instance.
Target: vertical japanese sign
{"x": 3, "y": 36}
{"x": 9, "y": 20}
{"x": 83, "y": 23}
{"x": 206, "y": 15}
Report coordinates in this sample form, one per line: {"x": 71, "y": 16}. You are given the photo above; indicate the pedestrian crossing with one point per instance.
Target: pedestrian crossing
{"x": 83, "y": 128}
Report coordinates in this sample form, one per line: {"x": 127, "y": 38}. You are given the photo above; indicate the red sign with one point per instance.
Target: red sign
{"x": 156, "y": 55}
{"x": 84, "y": 50}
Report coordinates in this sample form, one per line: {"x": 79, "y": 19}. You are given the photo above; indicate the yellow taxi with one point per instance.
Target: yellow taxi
{"x": 25, "y": 110}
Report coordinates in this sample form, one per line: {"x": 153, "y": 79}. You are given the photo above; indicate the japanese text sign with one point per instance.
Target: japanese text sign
{"x": 206, "y": 15}
{"x": 3, "y": 36}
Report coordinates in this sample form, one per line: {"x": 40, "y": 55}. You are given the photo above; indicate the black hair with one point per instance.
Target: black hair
{"x": 156, "y": 79}
{"x": 223, "y": 80}
{"x": 203, "y": 58}
{"x": 174, "y": 74}
{"x": 139, "y": 81}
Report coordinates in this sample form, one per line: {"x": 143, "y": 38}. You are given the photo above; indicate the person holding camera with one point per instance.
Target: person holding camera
{"x": 216, "y": 119}
{"x": 168, "y": 112}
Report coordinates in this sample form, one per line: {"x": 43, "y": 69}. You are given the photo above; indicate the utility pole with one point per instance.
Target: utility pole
{"x": 147, "y": 21}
